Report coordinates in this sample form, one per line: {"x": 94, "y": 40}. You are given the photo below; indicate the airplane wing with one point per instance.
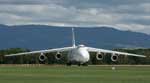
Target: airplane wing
{"x": 43, "y": 51}
{"x": 90, "y": 49}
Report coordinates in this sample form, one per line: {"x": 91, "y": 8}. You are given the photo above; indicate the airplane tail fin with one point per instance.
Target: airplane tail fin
{"x": 73, "y": 38}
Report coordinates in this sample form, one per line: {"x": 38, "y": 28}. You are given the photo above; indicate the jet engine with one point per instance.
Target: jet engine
{"x": 42, "y": 57}
{"x": 99, "y": 56}
{"x": 114, "y": 57}
{"x": 58, "y": 56}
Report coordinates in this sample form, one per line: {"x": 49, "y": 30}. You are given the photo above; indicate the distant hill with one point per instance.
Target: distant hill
{"x": 37, "y": 37}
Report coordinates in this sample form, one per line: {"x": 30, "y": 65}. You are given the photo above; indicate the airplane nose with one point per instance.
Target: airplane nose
{"x": 86, "y": 56}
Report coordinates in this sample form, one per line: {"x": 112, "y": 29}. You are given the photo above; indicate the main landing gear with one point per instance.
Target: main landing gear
{"x": 69, "y": 64}
{"x": 79, "y": 64}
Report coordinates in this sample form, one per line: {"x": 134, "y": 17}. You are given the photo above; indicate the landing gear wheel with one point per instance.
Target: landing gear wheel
{"x": 69, "y": 64}
{"x": 79, "y": 64}
{"x": 85, "y": 64}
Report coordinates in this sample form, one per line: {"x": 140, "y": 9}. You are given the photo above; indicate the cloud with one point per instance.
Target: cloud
{"x": 125, "y": 15}
{"x": 28, "y": 2}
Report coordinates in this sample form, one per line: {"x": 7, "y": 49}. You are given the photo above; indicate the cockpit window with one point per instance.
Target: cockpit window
{"x": 81, "y": 46}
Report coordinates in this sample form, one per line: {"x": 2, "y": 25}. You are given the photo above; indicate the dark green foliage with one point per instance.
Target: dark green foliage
{"x": 34, "y": 58}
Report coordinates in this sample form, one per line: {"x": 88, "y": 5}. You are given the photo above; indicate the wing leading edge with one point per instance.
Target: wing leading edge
{"x": 90, "y": 49}
{"x": 43, "y": 51}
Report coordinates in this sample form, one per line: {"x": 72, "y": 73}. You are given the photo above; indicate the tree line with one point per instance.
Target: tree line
{"x": 34, "y": 58}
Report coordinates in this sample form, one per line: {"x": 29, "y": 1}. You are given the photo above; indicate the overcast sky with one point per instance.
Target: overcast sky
{"x": 122, "y": 14}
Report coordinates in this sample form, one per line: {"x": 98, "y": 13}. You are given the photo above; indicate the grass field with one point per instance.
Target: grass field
{"x": 74, "y": 74}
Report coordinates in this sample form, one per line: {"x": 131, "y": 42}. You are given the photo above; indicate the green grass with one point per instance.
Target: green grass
{"x": 74, "y": 74}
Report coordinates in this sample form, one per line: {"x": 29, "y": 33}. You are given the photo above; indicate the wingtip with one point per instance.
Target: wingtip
{"x": 6, "y": 55}
{"x": 144, "y": 56}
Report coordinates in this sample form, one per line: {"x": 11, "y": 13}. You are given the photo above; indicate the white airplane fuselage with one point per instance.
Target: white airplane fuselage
{"x": 79, "y": 54}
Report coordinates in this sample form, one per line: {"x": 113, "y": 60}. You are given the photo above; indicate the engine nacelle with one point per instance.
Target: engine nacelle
{"x": 58, "y": 56}
{"x": 42, "y": 57}
{"x": 114, "y": 57}
{"x": 99, "y": 56}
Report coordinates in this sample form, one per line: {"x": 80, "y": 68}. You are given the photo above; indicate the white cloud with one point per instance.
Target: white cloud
{"x": 130, "y": 26}
{"x": 125, "y": 15}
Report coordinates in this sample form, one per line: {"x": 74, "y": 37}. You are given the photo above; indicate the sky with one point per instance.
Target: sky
{"x": 133, "y": 15}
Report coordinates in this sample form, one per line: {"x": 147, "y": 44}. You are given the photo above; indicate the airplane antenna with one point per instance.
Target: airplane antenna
{"x": 73, "y": 38}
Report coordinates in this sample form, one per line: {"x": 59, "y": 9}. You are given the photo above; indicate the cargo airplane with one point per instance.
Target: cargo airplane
{"x": 77, "y": 54}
